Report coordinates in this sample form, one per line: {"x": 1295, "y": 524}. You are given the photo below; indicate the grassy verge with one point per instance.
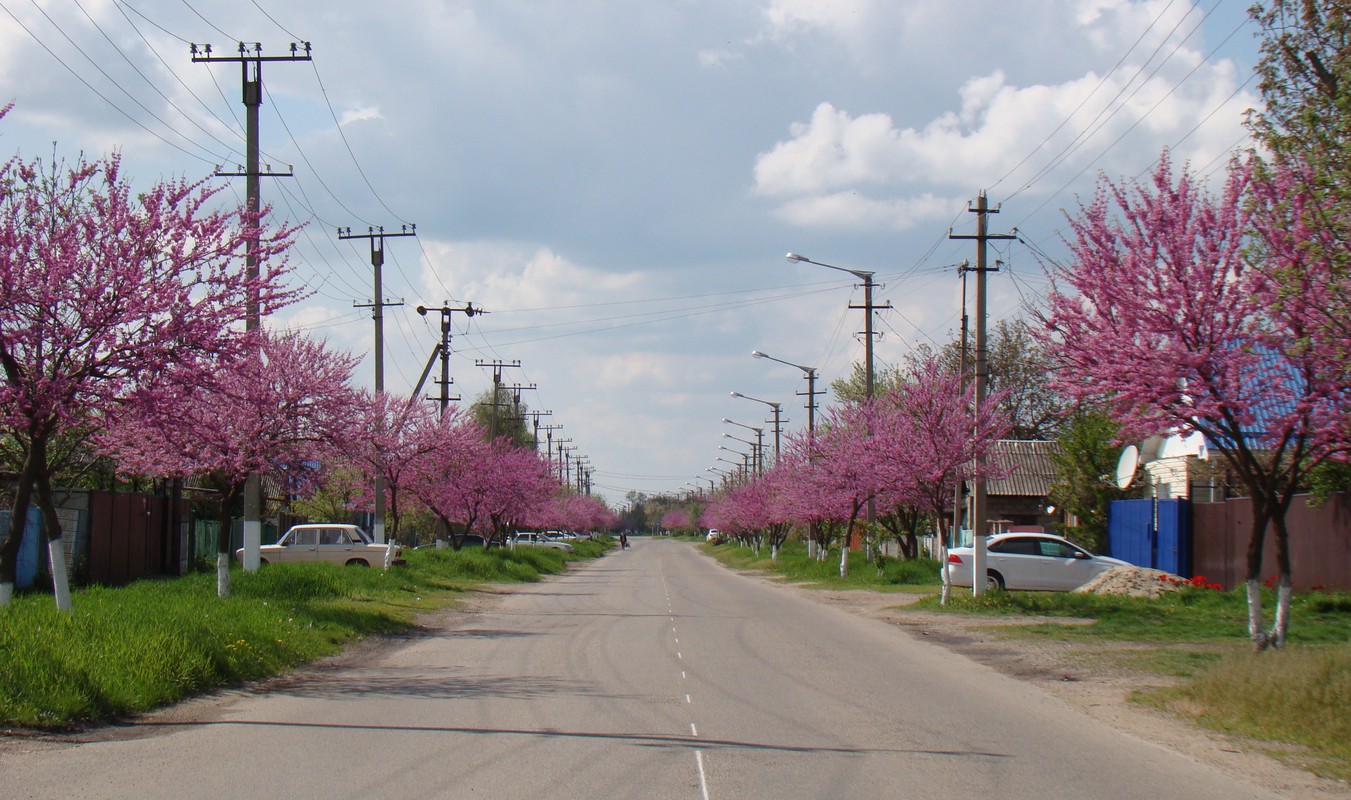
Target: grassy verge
{"x": 131, "y": 649}
{"x": 794, "y": 565}
{"x": 1295, "y": 698}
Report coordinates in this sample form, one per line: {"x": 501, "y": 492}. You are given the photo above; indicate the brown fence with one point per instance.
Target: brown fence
{"x": 132, "y": 536}
{"x": 1320, "y": 542}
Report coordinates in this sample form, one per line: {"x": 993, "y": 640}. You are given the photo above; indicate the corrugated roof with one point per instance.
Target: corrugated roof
{"x": 1030, "y": 469}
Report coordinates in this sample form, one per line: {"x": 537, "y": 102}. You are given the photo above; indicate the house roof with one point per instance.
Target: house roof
{"x": 1030, "y": 469}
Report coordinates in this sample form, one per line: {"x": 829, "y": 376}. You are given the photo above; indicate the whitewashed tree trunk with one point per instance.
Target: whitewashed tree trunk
{"x": 222, "y": 574}
{"x": 6, "y": 594}
{"x": 774, "y": 552}
{"x": 947, "y": 569}
{"x": 1255, "y": 632}
{"x": 389, "y": 555}
{"x": 844, "y": 561}
{"x": 56, "y": 552}
{"x": 1276, "y": 636}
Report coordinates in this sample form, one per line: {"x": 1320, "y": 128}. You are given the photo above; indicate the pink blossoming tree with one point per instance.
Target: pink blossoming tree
{"x": 101, "y": 286}
{"x": 1161, "y": 315}
{"x": 280, "y": 409}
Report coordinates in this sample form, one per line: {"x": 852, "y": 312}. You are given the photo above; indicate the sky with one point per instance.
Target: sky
{"x": 617, "y": 183}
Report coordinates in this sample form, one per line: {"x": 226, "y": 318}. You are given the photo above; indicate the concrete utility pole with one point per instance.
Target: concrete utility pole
{"x": 548, "y": 432}
{"x": 442, "y": 349}
{"x": 251, "y": 61}
{"x": 979, "y": 523}
{"x": 377, "y": 238}
{"x": 497, "y": 367}
{"x": 535, "y": 415}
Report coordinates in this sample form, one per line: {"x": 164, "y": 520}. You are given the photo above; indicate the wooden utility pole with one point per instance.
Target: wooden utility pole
{"x": 377, "y": 238}
{"x": 250, "y": 59}
{"x": 979, "y": 523}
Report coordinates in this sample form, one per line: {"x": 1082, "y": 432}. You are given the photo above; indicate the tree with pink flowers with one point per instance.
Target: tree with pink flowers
{"x": 397, "y": 434}
{"x": 931, "y": 436}
{"x": 1183, "y": 311}
{"x": 280, "y": 408}
{"x": 102, "y": 286}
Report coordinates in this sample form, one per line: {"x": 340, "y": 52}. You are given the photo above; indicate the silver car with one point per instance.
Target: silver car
{"x": 1030, "y": 561}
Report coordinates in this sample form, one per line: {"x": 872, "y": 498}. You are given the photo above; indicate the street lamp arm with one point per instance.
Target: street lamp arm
{"x": 861, "y": 274}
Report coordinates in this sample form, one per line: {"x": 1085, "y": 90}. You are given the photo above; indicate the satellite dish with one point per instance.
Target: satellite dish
{"x": 1126, "y": 466}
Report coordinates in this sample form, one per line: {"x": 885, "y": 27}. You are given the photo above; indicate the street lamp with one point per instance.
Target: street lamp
{"x": 810, "y": 372}
{"x": 867, "y": 278}
{"x": 740, "y": 468}
{"x": 777, "y": 407}
{"x": 755, "y": 450}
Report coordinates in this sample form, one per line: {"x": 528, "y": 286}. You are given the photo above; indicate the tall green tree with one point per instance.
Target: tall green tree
{"x": 1085, "y": 463}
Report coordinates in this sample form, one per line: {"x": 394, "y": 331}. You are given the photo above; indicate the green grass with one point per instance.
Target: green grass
{"x": 1295, "y": 696}
{"x": 1190, "y": 615}
{"x": 135, "y": 648}
{"x": 794, "y": 565}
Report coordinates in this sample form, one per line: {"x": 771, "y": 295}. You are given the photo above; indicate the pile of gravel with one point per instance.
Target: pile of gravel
{"x": 1132, "y": 582}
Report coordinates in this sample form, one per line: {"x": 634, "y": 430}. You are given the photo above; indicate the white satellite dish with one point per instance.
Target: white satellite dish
{"x": 1126, "y": 466}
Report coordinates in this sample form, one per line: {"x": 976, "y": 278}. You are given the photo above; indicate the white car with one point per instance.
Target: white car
{"x": 1039, "y": 561}
{"x": 331, "y": 542}
{"x": 539, "y": 540}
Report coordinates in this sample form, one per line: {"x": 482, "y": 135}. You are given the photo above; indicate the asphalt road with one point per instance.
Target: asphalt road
{"x": 650, "y": 673}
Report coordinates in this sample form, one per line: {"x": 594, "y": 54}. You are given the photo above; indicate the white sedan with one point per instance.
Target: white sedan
{"x": 1030, "y": 561}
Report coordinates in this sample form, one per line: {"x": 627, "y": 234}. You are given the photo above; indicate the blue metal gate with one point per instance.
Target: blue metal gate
{"x": 1151, "y": 533}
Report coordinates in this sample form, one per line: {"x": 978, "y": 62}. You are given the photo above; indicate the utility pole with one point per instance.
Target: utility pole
{"x": 549, "y": 432}
{"x": 443, "y": 350}
{"x": 535, "y": 415}
{"x": 251, "y": 66}
{"x": 962, "y": 269}
{"x": 497, "y": 367}
{"x": 979, "y": 523}
{"x": 377, "y": 238}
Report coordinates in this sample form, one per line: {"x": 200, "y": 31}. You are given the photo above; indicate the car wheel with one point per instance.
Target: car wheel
{"x": 993, "y": 580}
{"x": 356, "y": 562}
{"x": 262, "y": 562}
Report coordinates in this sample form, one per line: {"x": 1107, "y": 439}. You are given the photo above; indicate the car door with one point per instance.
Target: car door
{"x": 302, "y": 545}
{"x": 334, "y": 546}
{"x": 1064, "y": 566}
{"x": 1018, "y": 560}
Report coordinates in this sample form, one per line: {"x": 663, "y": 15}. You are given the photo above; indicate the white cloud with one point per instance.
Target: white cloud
{"x": 360, "y": 114}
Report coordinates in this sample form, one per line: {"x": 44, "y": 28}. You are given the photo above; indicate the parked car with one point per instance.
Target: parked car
{"x": 714, "y": 536}
{"x": 539, "y": 540}
{"x": 1039, "y": 561}
{"x": 331, "y": 542}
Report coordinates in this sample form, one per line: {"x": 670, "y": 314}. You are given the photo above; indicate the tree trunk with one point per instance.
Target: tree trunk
{"x": 18, "y": 519}
{"x": 229, "y": 496}
{"x": 1281, "y": 623}
{"x": 56, "y": 550}
{"x": 1256, "y": 540}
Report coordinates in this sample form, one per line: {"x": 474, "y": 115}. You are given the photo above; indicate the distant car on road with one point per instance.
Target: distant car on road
{"x": 1038, "y": 561}
{"x": 331, "y": 542}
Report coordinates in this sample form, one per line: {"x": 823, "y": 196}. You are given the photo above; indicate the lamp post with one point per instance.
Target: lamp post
{"x": 739, "y": 468}
{"x": 757, "y": 463}
{"x": 810, "y": 373}
{"x": 759, "y": 435}
{"x": 776, "y": 407}
{"x": 867, "y": 277}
